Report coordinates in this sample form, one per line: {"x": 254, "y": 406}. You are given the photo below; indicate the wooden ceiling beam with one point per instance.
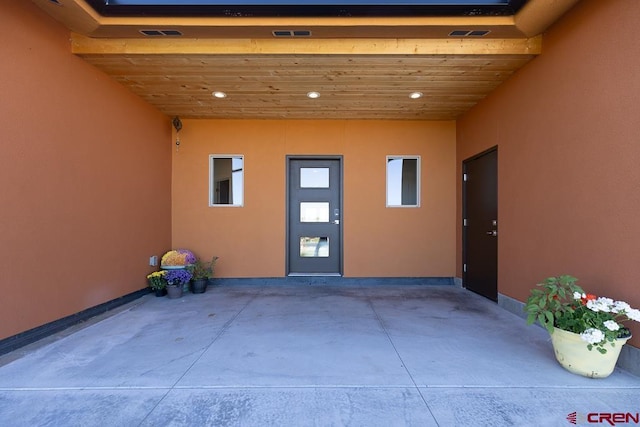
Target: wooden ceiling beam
{"x": 83, "y": 46}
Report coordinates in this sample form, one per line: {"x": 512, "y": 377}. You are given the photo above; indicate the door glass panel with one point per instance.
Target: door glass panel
{"x": 314, "y": 177}
{"x": 314, "y": 247}
{"x": 314, "y": 211}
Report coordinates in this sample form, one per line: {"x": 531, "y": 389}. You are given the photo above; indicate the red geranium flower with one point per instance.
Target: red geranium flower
{"x": 588, "y": 298}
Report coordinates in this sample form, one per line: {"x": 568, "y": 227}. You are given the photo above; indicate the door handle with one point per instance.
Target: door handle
{"x": 492, "y": 233}
{"x": 336, "y": 221}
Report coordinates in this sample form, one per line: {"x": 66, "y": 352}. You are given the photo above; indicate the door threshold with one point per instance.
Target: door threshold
{"x": 314, "y": 275}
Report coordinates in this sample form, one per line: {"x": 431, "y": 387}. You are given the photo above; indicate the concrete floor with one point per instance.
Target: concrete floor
{"x": 313, "y": 355}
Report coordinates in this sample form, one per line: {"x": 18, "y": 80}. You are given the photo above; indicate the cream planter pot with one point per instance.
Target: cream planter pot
{"x": 572, "y": 353}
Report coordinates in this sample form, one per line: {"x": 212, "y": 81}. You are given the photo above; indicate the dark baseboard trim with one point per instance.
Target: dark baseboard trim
{"x": 32, "y": 335}
{"x": 337, "y": 281}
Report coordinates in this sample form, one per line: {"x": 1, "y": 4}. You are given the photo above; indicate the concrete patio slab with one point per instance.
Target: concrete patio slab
{"x": 512, "y": 406}
{"x": 335, "y": 406}
{"x": 76, "y": 407}
{"x": 321, "y": 355}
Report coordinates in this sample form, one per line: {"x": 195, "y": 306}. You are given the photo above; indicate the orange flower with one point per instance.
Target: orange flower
{"x": 588, "y": 298}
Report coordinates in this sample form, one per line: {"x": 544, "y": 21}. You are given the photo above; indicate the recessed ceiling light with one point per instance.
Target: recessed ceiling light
{"x": 313, "y": 95}
{"x": 415, "y": 95}
{"x": 218, "y": 94}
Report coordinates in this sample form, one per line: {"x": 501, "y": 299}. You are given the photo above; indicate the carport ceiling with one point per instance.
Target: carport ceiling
{"x": 363, "y": 67}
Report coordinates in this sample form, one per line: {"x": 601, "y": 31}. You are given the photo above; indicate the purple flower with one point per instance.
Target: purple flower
{"x": 189, "y": 257}
{"x": 177, "y": 277}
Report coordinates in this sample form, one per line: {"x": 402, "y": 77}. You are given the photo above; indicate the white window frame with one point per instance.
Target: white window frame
{"x": 418, "y": 179}
{"x": 212, "y": 187}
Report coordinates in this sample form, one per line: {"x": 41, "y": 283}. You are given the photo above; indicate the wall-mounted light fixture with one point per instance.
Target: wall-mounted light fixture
{"x": 177, "y": 124}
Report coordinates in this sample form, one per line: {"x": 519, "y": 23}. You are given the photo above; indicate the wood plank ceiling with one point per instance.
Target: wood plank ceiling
{"x": 267, "y": 78}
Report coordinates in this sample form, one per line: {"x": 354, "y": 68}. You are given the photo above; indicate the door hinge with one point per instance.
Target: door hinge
{"x": 464, "y": 222}
{"x": 464, "y": 268}
{"x": 464, "y": 177}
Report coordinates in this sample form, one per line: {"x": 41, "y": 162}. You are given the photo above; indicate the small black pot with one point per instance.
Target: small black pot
{"x": 161, "y": 292}
{"x": 199, "y": 286}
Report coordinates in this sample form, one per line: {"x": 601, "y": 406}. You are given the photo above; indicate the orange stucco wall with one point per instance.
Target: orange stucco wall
{"x": 567, "y": 129}
{"x": 378, "y": 241}
{"x": 84, "y": 182}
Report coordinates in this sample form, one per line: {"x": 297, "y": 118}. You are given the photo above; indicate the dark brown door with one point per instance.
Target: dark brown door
{"x": 314, "y": 217}
{"x": 480, "y": 224}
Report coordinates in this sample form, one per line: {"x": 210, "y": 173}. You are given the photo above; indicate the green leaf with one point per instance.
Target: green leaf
{"x": 549, "y": 316}
{"x": 543, "y": 321}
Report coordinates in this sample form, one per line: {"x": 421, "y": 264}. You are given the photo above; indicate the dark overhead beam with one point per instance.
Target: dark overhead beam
{"x": 319, "y": 8}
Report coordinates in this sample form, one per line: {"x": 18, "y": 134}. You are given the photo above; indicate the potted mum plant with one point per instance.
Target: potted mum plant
{"x": 157, "y": 283}
{"x": 587, "y": 331}
{"x": 177, "y": 258}
{"x": 176, "y": 280}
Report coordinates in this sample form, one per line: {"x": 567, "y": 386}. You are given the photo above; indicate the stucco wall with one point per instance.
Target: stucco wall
{"x": 378, "y": 241}
{"x": 84, "y": 182}
{"x": 567, "y": 129}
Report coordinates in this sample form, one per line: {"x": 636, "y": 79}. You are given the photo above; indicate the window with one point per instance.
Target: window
{"x": 226, "y": 180}
{"x": 403, "y": 181}
{"x": 314, "y": 177}
{"x": 314, "y": 211}
{"x": 314, "y": 247}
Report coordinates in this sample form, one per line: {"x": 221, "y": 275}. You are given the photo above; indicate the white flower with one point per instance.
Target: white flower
{"x": 594, "y": 305}
{"x": 578, "y": 295}
{"x": 607, "y": 304}
{"x": 600, "y": 304}
{"x": 633, "y": 314}
{"x": 592, "y": 335}
{"x": 620, "y": 307}
{"x": 611, "y": 325}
